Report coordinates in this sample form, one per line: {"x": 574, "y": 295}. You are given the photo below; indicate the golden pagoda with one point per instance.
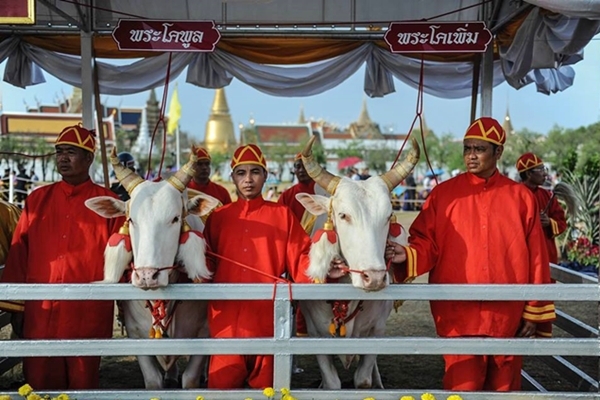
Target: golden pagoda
{"x": 220, "y": 136}
{"x": 365, "y": 128}
{"x": 507, "y": 124}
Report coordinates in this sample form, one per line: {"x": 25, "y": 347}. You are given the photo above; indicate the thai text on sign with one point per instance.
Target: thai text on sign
{"x": 154, "y": 35}
{"x": 441, "y": 37}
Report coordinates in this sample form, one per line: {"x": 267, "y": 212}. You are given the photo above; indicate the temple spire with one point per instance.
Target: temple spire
{"x": 507, "y": 124}
{"x": 220, "y": 135}
{"x": 301, "y": 117}
{"x": 364, "y": 118}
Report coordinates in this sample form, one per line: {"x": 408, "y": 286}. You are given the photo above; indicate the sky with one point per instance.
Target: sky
{"x": 577, "y": 106}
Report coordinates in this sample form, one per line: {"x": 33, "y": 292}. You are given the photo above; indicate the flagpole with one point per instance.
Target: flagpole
{"x": 177, "y": 148}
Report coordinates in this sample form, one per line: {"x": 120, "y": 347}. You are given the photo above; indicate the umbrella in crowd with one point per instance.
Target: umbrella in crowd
{"x": 435, "y": 172}
{"x": 348, "y": 162}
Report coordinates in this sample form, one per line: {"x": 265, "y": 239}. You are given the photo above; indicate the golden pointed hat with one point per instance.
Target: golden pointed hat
{"x": 528, "y": 161}
{"x": 77, "y": 136}
{"x": 202, "y": 154}
{"x": 248, "y": 154}
{"x": 488, "y": 129}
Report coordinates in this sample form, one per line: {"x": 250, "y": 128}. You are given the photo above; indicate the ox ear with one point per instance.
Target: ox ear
{"x": 314, "y": 203}
{"x": 202, "y": 204}
{"x": 106, "y": 206}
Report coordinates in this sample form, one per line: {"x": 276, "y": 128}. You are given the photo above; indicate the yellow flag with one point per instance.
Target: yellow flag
{"x": 174, "y": 112}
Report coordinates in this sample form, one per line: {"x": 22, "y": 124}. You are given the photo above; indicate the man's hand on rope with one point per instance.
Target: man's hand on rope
{"x": 337, "y": 268}
{"x": 395, "y": 252}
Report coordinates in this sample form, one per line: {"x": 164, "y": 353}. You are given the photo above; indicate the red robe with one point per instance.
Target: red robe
{"x": 288, "y": 197}
{"x": 558, "y": 221}
{"x": 59, "y": 240}
{"x": 558, "y": 224}
{"x": 475, "y": 232}
{"x": 265, "y": 236}
{"x": 212, "y": 189}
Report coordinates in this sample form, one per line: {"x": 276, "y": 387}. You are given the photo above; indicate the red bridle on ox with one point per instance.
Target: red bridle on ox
{"x": 162, "y": 316}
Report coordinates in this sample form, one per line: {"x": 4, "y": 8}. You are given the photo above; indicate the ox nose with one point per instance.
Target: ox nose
{"x": 374, "y": 279}
{"x": 146, "y": 278}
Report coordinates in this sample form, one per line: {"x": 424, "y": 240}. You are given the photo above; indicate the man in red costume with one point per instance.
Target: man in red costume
{"x": 59, "y": 240}
{"x": 533, "y": 174}
{"x": 268, "y": 239}
{"x": 201, "y": 181}
{"x": 305, "y": 185}
{"x": 479, "y": 228}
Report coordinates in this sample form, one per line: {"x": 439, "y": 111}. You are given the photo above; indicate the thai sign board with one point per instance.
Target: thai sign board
{"x": 157, "y": 35}
{"x": 440, "y": 37}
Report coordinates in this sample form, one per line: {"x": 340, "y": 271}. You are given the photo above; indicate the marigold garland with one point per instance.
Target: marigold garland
{"x": 27, "y": 392}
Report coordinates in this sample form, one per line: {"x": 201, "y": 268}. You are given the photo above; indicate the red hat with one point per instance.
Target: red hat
{"x": 487, "y": 129}
{"x": 528, "y": 161}
{"x": 77, "y": 136}
{"x": 202, "y": 154}
{"x": 248, "y": 154}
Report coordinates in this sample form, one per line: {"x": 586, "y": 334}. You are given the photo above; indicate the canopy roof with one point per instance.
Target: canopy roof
{"x": 327, "y": 41}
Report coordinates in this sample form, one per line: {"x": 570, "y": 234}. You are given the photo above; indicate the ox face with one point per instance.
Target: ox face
{"x": 155, "y": 219}
{"x": 361, "y": 212}
{"x": 156, "y": 210}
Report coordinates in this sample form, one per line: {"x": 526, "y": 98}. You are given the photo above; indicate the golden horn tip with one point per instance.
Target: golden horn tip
{"x": 113, "y": 156}
{"x": 308, "y": 148}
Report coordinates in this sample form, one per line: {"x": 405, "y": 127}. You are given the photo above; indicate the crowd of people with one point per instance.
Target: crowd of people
{"x": 478, "y": 227}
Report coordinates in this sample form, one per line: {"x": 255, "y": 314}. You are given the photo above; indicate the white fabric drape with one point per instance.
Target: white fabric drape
{"x": 543, "y": 48}
{"x": 589, "y": 9}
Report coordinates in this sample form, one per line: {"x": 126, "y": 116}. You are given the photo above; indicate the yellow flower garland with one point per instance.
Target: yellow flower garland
{"x": 28, "y": 393}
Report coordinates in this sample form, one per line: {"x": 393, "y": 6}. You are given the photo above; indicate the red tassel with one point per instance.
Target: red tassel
{"x": 395, "y": 229}
{"x": 186, "y": 235}
{"x": 331, "y": 236}
{"x": 116, "y": 238}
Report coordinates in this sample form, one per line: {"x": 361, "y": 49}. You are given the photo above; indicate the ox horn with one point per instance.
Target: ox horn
{"x": 184, "y": 175}
{"x": 323, "y": 178}
{"x": 127, "y": 178}
{"x": 396, "y": 175}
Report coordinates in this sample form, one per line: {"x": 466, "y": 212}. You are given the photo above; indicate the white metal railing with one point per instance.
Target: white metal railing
{"x": 283, "y": 346}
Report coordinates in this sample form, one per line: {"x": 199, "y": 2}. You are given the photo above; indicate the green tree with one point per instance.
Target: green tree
{"x": 45, "y": 150}
{"x": 521, "y": 142}
{"x": 279, "y": 152}
{"x": 354, "y": 149}
{"x": 218, "y": 159}
{"x": 377, "y": 158}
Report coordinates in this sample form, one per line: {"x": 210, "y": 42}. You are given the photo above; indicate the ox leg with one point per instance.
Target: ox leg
{"x": 377, "y": 383}
{"x": 194, "y": 373}
{"x": 329, "y": 375}
{"x": 151, "y": 370}
{"x": 367, "y": 375}
{"x": 171, "y": 380}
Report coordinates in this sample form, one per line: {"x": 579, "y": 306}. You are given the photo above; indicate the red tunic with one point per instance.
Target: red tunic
{"x": 288, "y": 197}
{"x": 59, "y": 240}
{"x": 212, "y": 189}
{"x": 265, "y": 236}
{"x": 475, "y": 232}
{"x": 558, "y": 221}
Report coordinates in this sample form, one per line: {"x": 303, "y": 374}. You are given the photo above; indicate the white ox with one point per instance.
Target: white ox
{"x": 161, "y": 225}
{"x": 361, "y": 212}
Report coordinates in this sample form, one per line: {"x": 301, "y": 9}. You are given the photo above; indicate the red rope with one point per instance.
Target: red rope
{"x": 418, "y": 116}
{"x": 161, "y": 121}
{"x": 277, "y": 279}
